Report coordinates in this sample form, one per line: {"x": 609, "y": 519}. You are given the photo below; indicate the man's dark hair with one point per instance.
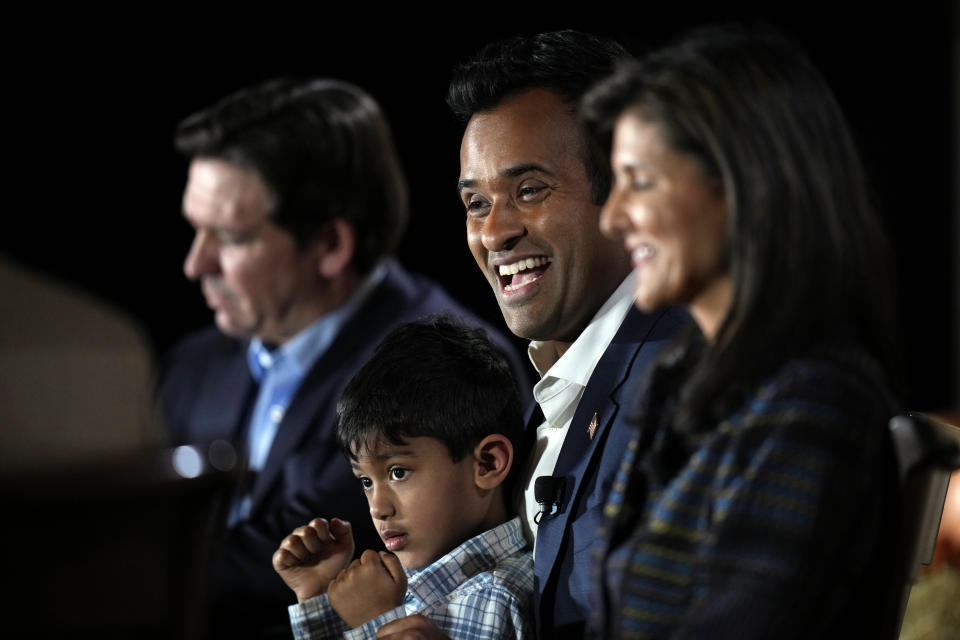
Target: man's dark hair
{"x": 325, "y": 150}
{"x": 433, "y": 378}
{"x": 565, "y": 62}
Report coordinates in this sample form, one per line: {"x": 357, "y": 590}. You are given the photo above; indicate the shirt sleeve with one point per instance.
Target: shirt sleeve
{"x": 314, "y": 618}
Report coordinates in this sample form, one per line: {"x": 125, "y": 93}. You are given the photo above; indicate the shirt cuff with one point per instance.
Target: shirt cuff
{"x": 369, "y": 628}
{"x": 315, "y": 618}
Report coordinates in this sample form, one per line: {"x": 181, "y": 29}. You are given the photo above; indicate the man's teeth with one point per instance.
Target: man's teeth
{"x": 522, "y": 265}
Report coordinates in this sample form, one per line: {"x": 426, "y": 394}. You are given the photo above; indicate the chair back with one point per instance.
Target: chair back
{"x": 112, "y": 549}
{"x": 927, "y": 451}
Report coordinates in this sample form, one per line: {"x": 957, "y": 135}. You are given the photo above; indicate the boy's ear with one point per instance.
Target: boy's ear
{"x": 335, "y": 247}
{"x": 493, "y": 457}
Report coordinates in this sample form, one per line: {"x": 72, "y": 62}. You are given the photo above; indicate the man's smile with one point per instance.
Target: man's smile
{"x": 519, "y": 273}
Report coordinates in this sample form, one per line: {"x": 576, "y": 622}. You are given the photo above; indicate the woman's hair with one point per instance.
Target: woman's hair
{"x": 807, "y": 255}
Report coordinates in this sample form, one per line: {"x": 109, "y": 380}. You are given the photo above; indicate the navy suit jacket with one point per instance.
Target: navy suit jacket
{"x": 563, "y": 564}
{"x": 206, "y": 393}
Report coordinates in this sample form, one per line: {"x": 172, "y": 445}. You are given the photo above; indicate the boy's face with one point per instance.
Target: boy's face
{"x": 422, "y": 502}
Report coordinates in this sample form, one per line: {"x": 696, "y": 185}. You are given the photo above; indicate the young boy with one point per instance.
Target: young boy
{"x": 429, "y": 424}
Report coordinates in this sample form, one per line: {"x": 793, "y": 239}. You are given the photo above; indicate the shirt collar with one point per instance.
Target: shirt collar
{"x": 305, "y": 348}
{"x": 578, "y": 362}
{"x": 480, "y": 553}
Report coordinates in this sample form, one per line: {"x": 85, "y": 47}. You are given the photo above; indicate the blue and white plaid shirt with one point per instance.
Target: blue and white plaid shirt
{"x": 481, "y": 589}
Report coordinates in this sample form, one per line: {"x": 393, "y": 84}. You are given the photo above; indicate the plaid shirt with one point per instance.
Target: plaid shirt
{"x": 481, "y": 589}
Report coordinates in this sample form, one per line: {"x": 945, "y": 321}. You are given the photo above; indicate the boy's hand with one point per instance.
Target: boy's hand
{"x": 310, "y": 557}
{"x": 372, "y": 585}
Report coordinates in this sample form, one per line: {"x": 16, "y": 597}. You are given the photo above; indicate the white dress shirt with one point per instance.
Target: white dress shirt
{"x": 561, "y": 385}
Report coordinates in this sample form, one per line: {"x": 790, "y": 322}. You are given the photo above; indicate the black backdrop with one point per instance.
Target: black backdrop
{"x": 95, "y": 185}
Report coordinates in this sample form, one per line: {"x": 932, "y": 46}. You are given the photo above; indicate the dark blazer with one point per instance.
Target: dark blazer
{"x": 206, "y": 392}
{"x": 563, "y": 564}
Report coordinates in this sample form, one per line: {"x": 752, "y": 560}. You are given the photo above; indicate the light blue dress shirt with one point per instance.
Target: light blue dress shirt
{"x": 279, "y": 372}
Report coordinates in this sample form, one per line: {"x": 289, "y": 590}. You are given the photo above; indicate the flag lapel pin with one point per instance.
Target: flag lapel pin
{"x": 592, "y": 429}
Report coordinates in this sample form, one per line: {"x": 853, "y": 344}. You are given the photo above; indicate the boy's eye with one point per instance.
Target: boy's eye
{"x": 398, "y": 473}
{"x": 366, "y": 483}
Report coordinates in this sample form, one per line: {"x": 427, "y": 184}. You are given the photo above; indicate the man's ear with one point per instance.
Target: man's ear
{"x": 335, "y": 246}
{"x": 493, "y": 457}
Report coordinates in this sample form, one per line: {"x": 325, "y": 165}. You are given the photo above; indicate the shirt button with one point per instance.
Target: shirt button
{"x": 276, "y": 413}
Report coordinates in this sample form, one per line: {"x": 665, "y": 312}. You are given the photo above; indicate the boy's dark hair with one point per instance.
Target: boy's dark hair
{"x": 433, "y": 378}
{"x": 324, "y": 148}
{"x": 566, "y": 62}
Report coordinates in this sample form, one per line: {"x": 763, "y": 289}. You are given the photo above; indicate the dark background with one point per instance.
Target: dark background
{"x": 96, "y": 185}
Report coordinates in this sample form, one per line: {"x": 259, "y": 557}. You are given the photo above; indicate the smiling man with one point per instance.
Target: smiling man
{"x": 297, "y": 200}
{"x": 532, "y": 217}
{"x": 532, "y": 187}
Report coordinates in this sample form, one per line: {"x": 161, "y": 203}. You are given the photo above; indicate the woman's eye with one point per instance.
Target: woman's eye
{"x": 398, "y": 473}
{"x": 639, "y": 181}
{"x": 633, "y": 180}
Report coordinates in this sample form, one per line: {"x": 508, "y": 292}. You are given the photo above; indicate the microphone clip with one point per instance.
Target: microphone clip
{"x": 548, "y": 491}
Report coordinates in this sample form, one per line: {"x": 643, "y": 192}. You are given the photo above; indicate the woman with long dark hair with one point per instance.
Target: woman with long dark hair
{"x": 758, "y": 499}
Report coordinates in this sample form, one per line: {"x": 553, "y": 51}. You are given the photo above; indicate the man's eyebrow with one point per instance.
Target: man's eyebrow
{"x": 510, "y": 172}
{"x": 520, "y": 169}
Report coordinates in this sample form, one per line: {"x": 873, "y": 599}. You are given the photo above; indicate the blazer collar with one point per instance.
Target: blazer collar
{"x": 598, "y": 408}
{"x": 330, "y": 373}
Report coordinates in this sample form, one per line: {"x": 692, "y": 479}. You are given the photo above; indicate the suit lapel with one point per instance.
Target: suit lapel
{"x": 528, "y": 438}
{"x": 326, "y": 379}
{"x": 581, "y": 453}
{"x": 219, "y": 416}
{"x": 314, "y": 392}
